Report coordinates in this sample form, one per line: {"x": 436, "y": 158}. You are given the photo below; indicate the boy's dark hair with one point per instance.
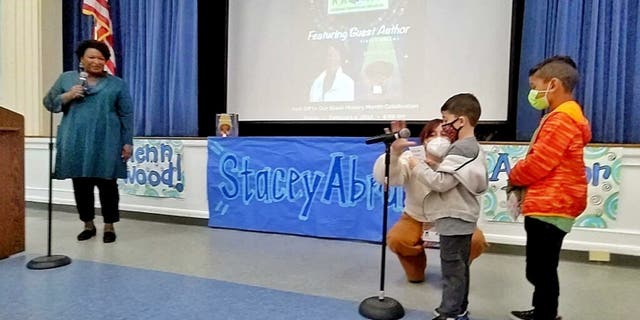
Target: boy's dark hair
{"x": 93, "y": 44}
{"x": 561, "y": 67}
{"x": 463, "y": 104}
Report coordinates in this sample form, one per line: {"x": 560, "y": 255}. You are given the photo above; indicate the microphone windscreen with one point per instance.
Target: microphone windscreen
{"x": 404, "y": 133}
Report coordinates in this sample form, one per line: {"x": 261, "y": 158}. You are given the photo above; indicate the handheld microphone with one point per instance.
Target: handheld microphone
{"x": 82, "y": 76}
{"x": 390, "y": 137}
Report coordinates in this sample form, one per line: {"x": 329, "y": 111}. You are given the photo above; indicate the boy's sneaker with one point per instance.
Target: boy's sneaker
{"x": 456, "y": 318}
{"x": 525, "y": 315}
{"x": 462, "y": 316}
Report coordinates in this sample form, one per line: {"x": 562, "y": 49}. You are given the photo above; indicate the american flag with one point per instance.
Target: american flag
{"x": 102, "y": 31}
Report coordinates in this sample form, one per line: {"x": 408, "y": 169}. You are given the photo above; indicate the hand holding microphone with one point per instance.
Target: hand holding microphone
{"x": 79, "y": 90}
{"x": 400, "y": 145}
{"x": 76, "y": 92}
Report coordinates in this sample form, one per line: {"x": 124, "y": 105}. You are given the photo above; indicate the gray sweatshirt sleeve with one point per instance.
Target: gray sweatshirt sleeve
{"x": 436, "y": 180}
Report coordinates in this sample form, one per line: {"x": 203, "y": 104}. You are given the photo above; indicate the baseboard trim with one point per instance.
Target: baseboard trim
{"x": 134, "y": 215}
{"x": 568, "y": 255}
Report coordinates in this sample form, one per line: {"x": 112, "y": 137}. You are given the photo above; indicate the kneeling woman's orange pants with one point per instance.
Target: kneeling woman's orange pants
{"x": 405, "y": 240}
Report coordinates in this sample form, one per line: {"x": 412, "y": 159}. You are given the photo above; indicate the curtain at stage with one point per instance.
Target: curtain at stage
{"x": 156, "y": 44}
{"x": 603, "y": 38}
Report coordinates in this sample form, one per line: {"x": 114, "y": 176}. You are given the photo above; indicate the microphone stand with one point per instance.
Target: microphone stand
{"x": 49, "y": 261}
{"x": 381, "y": 307}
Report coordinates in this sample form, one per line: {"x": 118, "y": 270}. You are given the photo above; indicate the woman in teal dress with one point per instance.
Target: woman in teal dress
{"x": 95, "y": 135}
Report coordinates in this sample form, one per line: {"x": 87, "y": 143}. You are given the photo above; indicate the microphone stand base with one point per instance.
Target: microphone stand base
{"x": 48, "y": 262}
{"x": 381, "y": 309}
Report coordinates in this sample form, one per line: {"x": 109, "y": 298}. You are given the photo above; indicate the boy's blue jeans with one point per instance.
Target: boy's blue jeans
{"x": 454, "y": 259}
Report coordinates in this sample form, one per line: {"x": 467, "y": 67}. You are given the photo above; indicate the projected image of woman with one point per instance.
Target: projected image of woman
{"x": 332, "y": 85}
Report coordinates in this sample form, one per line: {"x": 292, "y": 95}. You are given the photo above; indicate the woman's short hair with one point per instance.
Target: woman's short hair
{"x": 429, "y": 128}
{"x": 93, "y": 44}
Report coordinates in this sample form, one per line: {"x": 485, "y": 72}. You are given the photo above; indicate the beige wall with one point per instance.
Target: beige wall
{"x": 30, "y": 58}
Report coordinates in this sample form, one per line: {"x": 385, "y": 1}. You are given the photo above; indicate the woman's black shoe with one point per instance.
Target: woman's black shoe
{"x": 86, "y": 234}
{"x": 109, "y": 236}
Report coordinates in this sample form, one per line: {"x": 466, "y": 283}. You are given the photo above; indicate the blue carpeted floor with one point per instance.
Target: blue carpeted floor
{"x": 90, "y": 290}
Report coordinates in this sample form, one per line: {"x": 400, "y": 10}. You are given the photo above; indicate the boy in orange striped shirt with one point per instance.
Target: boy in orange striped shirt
{"x": 554, "y": 178}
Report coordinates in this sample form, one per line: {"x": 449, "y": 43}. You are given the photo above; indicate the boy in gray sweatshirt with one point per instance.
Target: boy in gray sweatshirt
{"x": 454, "y": 202}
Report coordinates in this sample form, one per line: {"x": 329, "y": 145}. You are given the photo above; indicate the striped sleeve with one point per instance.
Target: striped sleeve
{"x": 555, "y": 136}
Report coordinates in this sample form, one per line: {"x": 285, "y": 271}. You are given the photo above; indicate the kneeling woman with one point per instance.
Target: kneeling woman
{"x": 405, "y": 237}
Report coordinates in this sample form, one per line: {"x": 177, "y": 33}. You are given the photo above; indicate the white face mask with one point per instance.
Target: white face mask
{"x": 438, "y": 146}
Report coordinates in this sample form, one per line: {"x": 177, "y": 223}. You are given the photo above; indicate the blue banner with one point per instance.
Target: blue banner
{"x": 324, "y": 187}
{"x": 316, "y": 186}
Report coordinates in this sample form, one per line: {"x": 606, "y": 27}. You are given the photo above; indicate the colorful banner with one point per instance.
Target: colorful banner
{"x": 603, "y": 175}
{"x": 155, "y": 169}
{"x": 324, "y": 187}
